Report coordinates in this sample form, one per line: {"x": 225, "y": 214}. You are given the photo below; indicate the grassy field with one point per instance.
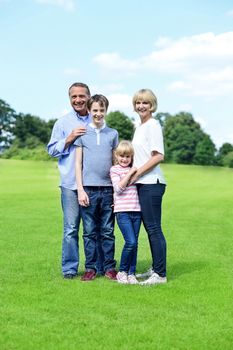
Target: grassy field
{"x": 40, "y": 310}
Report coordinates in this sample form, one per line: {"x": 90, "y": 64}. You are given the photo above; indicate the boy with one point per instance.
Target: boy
{"x": 94, "y": 158}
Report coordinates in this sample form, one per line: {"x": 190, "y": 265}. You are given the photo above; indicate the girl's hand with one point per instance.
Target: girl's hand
{"x": 133, "y": 170}
{"x": 83, "y": 199}
{"x": 134, "y": 178}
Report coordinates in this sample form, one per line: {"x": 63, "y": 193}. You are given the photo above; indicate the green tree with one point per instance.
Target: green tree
{"x": 185, "y": 141}
{"x": 205, "y": 151}
{"x": 223, "y": 151}
{"x": 30, "y": 131}
{"x": 7, "y": 123}
{"x": 122, "y": 124}
{"x": 181, "y": 135}
{"x": 228, "y": 160}
{"x": 162, "y": 118}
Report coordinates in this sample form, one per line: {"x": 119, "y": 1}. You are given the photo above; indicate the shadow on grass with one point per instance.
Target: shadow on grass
{"x": 177, "y": 269}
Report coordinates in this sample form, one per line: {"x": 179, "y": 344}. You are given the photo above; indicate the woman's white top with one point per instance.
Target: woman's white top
{"x": 147, "y": 138}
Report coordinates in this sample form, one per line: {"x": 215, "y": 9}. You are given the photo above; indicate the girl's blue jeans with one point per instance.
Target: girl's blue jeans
{"x": 129, "y": 223}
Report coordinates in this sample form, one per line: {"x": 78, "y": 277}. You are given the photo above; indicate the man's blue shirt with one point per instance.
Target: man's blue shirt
{"x": 66, "y": 158}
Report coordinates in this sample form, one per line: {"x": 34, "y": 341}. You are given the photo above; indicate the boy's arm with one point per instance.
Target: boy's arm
{"x": 82, "y": 196}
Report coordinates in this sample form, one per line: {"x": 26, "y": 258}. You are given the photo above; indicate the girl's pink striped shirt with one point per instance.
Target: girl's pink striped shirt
{"x": 125, "y": 199}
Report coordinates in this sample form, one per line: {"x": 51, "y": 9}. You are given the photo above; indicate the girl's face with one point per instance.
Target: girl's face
{"x": 143, "y": 109}
{"x": 124, "y": 160}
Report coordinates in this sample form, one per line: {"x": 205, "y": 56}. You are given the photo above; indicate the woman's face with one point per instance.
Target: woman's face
{"x": 143, "y": 109}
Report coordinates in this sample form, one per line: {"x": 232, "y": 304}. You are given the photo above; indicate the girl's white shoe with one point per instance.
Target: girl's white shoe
{"x": 122, "y": 277}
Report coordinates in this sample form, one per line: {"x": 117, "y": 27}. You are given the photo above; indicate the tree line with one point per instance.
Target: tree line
{"x": 24, "y": 136}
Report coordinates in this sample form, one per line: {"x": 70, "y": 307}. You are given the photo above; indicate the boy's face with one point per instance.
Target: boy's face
{"x": 98, "y": 113}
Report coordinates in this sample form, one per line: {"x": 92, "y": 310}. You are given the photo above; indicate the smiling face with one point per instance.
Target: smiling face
{"x": 143, "y": 108}
{"x": 98, "y": 112}
{"x": 78, "y": 99}
{"x": 124, "y": 160}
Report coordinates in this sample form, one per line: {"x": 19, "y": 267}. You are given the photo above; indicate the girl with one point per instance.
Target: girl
{"x": 127, "y": 210}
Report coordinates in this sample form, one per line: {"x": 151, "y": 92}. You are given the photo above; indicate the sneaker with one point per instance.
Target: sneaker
{"x": 154, "y": 279}
{"x": 132, "y": 279}
{"x": 88, "y": 276}
{"x": 122, "y": 277}
{"x": 146, "y": 274}
{"x": 111, "y": 274}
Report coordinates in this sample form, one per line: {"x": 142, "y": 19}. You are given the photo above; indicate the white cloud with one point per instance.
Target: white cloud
{"x": 120, "y": 102}
{"x": 204, "y": 63}
{"x": 68, "y": 5}
{"x": 230, "y": 13}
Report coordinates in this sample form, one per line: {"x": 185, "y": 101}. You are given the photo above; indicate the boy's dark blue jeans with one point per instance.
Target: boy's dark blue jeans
{"x": 98, "y": 220}
{"x": 129, "y": 223}
{"x": 150, "y": 198}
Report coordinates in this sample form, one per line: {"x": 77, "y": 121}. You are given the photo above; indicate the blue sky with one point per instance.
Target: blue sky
{"x": 182, "y": 50}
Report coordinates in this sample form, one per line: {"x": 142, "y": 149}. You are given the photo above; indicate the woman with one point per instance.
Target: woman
{"x": 148, "y": 153}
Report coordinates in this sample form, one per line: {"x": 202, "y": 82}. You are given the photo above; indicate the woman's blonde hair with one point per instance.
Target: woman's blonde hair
{"x": 124, "y": 148}
{"x": 148, "y": 96}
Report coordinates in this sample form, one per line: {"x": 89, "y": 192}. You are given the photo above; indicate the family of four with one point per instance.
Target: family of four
{"x": 102, "y": 179}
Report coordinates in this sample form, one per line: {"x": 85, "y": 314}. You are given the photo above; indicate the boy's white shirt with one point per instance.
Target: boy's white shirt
{"x": 97, "y": 130}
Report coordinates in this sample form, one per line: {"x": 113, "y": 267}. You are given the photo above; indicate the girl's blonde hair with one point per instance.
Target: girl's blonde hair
{"x": 148, "y": 96}
{"x": 124, "y": 148}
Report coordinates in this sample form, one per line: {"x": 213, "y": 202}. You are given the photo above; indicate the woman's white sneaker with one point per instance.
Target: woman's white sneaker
{"x": 146, "y": 274}
{"x": 122, "y": 277}
{"x": 154, "y": 279}
{"x": 132, "y": 279}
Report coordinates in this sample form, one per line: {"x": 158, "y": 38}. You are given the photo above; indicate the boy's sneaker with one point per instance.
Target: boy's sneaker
{"x": 132, "y": 279}
{"x": 122, "y": 277}
{"x": 146, "y": 274}
{"x": 154, "y": 279}
{"x": 111, "y": 274}
{"x": 88, "y": 276}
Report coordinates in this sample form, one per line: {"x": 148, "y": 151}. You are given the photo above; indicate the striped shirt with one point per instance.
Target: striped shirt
{"x": 125, "y": 199}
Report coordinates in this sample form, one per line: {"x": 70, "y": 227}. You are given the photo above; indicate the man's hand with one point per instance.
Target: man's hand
{"x": 75, "y": 133}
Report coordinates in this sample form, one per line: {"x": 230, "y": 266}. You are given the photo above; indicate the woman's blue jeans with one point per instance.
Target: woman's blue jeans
{"x": 150, "y": 198}
{"x": 129, "y": 223}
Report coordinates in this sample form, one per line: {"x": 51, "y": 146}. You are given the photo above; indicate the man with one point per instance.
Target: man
{"x": 65, "y": 131}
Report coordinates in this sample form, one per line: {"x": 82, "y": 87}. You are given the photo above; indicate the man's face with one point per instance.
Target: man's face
{"x": 78, "y": 99}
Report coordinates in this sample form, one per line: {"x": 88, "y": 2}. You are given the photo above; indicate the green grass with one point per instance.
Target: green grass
{"x": 40, "y": 310}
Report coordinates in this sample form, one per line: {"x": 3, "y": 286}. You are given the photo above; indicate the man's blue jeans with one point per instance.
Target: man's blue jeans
{"x": 71, "y": 221}
{"x": 129, "y": 223}
{"x": 150, "y": 198}
{"x": 70, "y": 243}
{"x": 98, "y": 220}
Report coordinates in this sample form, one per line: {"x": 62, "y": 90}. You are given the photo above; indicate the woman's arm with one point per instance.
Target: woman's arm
{"x": 119, "y": 184}
{"x": 155, "y": 159}
{"x": 82, "y": 196}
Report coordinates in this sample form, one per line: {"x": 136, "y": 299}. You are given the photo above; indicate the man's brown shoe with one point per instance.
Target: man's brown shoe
{"x": 88, "y": 276}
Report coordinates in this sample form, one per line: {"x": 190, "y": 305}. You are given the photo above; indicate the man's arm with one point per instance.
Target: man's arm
{"x": 58, "y": 144}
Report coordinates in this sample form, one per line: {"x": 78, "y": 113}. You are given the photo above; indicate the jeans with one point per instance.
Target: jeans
{"x": 98, "y": 220}
{"x": 150, "y": 198}
{"x": 71, "y": 221}
{"x": 70, "y": 243}
{"x": 129, "y": 223}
